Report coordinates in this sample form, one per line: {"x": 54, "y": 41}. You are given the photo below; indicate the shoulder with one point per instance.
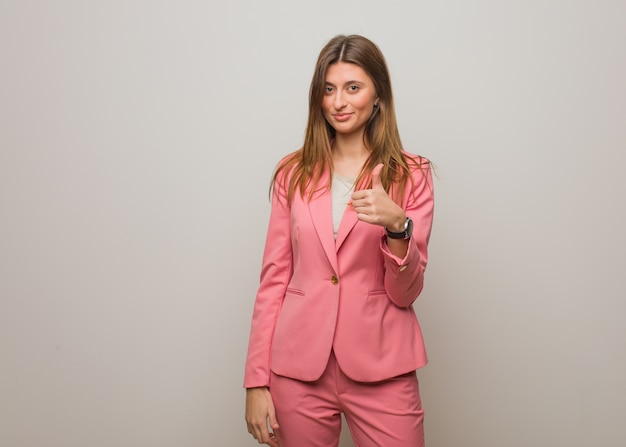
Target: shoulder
{"x": 283, "y": 170}
{"x": 419, "y": 166}
{"x": 286, "y": 165}
{"x": 283, "y": 175}
{"x": 415, "y": 159}
{"x": 419, "y": 186}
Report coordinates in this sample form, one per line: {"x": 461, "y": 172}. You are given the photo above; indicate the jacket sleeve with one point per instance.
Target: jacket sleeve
{"x": 404, "y": 278}
{"x": 276, "y": 272}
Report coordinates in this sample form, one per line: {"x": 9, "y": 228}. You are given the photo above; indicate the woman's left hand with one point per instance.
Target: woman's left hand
{"x": 374, "y": 205}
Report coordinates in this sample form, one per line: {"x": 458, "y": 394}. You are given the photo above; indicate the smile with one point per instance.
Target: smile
{"x": 342, "y": 116}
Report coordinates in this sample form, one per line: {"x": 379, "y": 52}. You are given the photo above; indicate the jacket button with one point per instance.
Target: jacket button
{"x": 334, "y": 280}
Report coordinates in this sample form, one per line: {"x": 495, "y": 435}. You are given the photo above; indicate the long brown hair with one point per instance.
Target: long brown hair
{"x": 381, "y": 136}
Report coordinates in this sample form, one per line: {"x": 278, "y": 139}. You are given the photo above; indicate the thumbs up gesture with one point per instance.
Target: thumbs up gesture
{"x": 374, "y": 205}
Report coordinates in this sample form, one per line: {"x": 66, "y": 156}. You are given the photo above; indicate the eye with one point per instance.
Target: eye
{"x": 353, "y": 88}
{"x": 328, "y": 89}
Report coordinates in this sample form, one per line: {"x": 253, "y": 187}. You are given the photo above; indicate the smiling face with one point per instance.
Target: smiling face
{"x": 349, "y": 98}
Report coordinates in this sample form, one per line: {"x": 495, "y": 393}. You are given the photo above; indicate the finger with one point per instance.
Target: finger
{"x": 366, "y": 218}
{"x": 259, "y": 432}
{"x": 358, "y": 195}
{"x": 362, "y": 198}
{"x": 376, "y": 183}
{"x": 272, "y": 419}
{"x": 274, "y": 442}
{"x": 271, "y": 416}
{"x": 357, "y": 203}
{"x": 268, "y": 438}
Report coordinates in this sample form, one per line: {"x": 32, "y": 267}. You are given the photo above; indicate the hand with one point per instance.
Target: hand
{"x": 374, "y": 205}
{"x": 260, "y": 411}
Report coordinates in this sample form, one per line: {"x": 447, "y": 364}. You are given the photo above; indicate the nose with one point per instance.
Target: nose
{"x": 339, "y": 102}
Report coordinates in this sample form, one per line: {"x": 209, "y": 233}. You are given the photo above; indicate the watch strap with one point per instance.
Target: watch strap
{"x": 405, "y": 234}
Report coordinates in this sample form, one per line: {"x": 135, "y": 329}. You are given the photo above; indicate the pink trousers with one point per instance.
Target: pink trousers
{"x": 380, "y": 414}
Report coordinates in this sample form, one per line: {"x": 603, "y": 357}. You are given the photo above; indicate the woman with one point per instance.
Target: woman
{"x": 334, "y": 330}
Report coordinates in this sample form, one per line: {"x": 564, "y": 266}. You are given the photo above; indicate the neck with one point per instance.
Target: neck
{"x": 349, "y": 147}
{"x": 349, "y": 154}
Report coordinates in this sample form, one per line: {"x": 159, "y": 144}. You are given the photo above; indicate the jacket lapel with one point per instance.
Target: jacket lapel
{"x": 348, "y": 221}
{"x": 320, "y": 208}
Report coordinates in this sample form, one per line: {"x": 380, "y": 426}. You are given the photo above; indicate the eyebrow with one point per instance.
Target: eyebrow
{"x": 345, "y": 83}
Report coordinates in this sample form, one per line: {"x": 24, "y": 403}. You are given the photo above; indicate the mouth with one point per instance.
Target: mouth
{"x": 342, "y": 116}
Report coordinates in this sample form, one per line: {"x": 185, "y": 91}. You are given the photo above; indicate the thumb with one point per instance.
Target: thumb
{"x": 272, "y": 420}
{"x": 376, "y": 183}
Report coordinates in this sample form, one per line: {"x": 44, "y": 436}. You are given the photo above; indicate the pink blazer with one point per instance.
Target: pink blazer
{"x": 350, "y": 295}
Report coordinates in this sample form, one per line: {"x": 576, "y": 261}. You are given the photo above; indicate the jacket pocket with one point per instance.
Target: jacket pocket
{"x": 295, "y": 292}
{"x": 377, "y": 294}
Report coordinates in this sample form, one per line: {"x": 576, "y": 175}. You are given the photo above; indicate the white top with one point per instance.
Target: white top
{"x": 341, "y": 190}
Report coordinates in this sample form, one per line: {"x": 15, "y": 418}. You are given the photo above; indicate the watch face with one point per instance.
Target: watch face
{"x": 409, "y": 227}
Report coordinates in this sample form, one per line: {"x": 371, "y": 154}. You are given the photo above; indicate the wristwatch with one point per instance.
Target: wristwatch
{"x": 405, "y": 234}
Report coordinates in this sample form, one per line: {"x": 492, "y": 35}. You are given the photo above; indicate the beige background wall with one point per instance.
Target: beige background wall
{"x": 137, "y": 139}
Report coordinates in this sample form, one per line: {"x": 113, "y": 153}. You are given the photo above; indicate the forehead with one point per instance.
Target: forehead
{"x": 342, "y": 72}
